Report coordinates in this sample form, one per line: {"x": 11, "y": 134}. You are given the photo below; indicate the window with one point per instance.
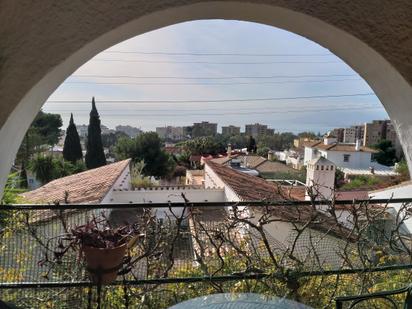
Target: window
{"x": 331, "y": 167}
{"x": 321, "y": 167}
{"x": 346, "y": 157}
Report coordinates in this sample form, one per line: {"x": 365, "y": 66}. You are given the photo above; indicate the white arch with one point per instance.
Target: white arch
{"x": 390, "y": 87}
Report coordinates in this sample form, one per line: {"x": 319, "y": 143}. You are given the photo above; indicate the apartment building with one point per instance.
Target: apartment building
{"x": 171, "y": 133}
{"x": 204, "y": 128}
{"x": 230, "y": 130}
{"x": 353, "y": 133}
{"x": 129, "y": 130}
{"x": 258, "y": 129}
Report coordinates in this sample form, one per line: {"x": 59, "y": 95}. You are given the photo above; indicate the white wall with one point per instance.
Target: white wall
{"x": 212, "y": 180}
{"x": 401, "y": 191}
{"x": 357, "y": 159}
{"x": 165, "y": 195}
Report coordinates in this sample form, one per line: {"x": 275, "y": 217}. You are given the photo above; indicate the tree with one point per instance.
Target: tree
{"x": 72, "y": 149}
{"x": 48, "y": 126}
{"x": 42, "y": 167}
{"x": 204, "y": 146}
{"x": 46, "y": 168}
{"x": 45, "y": 129}
{"x": 402, "y": 169}
{"x": 263, "y": 152}
{"x": 251, "y": 147}
{"x": 386, "y": 154}
{"x": 146, "y": 147}
{"x": 23, "y": 177}
{"x": 110, "y": 139}
{"x": 95, "y": 155}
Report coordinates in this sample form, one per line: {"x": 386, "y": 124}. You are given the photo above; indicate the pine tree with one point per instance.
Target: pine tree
{"x": 95, "y": 155}
{"x": 72, "y": 150}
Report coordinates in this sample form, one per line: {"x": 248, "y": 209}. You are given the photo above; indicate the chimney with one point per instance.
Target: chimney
{"x": 357, "y": 145}
{"x": 270, "y": 155}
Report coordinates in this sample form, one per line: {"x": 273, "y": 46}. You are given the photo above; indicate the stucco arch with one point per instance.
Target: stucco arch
{"x": 42, "y": 44}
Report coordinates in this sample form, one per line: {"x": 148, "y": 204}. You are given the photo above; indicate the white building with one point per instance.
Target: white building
{"x": 320, "y": 179}
{"x": 352, "y": 159}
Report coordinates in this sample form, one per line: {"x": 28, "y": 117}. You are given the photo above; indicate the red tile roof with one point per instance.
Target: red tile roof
{"x": 83, "y": 188}
{"x": 251, "y": 188}
{"x": 340, "y": 147}
{"x": 247, "y": 187}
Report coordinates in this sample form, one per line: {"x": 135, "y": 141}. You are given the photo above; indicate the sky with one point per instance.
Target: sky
{"x": 228, "y": 72}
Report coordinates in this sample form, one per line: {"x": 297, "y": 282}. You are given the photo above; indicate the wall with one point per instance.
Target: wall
{"x": 357, "y": 159}
{"x": 212, "y": 180}
{"x": 400, "y": 191}
{"x": 165, "y": 195}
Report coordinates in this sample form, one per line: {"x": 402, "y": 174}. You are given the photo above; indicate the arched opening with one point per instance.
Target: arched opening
{"x": 389, "y": 85}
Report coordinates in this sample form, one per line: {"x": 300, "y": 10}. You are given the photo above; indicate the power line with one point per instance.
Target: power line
{"x": 216, "y": 84}
{"x": 239, "y": 113}
{"x": 213, "y": 62}
{"x": 218, "y": 101}
{"x": 276, "y": 108}
{"x": 215, "y": 77}
{"x": 217, "y": 54}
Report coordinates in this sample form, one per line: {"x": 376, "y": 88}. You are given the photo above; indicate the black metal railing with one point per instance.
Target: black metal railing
{"x": 297, "y": 249}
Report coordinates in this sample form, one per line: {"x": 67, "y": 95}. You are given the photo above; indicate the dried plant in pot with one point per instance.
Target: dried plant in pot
{"x": 102, "y": 247}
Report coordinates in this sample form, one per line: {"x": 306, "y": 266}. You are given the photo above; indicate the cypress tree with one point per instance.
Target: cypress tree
{"x": 72, "y": 150}
{"x": 95, "y": 155}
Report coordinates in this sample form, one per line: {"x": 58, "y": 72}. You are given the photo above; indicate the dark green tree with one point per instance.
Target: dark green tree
{"x": 204, "y": 145}
{"x": 95, "y": 155}
{"x": 251, "y": 147}
{"x": 48, "y": 127}
{"x": 44, "y": 130}
{"x": 386, "y": 154}
{"x": 72, "y": 149}
{"x": 23, "y": 177}
{"x": 43, "y": 167}
{"x": 146, "y": 147}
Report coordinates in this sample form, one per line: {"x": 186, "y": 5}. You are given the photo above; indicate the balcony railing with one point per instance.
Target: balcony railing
{"x": 313, "y": 252}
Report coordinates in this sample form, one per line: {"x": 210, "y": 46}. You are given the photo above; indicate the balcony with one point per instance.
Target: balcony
{"x": 319, "y": 253}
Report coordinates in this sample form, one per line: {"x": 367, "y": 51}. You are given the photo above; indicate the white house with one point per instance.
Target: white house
{"x": 352, "y": 159}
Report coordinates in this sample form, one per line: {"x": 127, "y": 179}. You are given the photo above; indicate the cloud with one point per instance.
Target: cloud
{"x": 216, "y": 37}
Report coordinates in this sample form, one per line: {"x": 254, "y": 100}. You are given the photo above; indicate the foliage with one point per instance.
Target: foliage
{"x": 361, "y": 182}
{"x": 46, "y": 168}
{"x": 339, "y": 178}
{"x": 23, "y": 177}
{"x": 263, "y": 151}
{"x": 72, "y": 149}
{"x": 95, "y": 156}
{"x": 204, "y": 146}
{"x": 403, "y": 170}
{"x": 45, "y": 129}
{"x": 138, "y": 180}
{"x": 295, "y": 175}
{"x": 146, "y": 147}
{"x": 48, "y": 125}
{"x": 307, "y": 134}
{"x": 10, "y": 196}
{"x": 386, "y": 154}
{"x": 278, "y": 141}
{"x": 110, "y": 139}
{"x": 42, "y": 166}
{"x": 251, "y": 147}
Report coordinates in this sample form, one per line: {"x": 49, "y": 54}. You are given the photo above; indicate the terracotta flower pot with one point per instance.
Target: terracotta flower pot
{"x": 107, "y": 261}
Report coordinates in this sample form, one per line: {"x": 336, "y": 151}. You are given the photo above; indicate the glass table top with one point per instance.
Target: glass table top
{"x": 239, "y": 301}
